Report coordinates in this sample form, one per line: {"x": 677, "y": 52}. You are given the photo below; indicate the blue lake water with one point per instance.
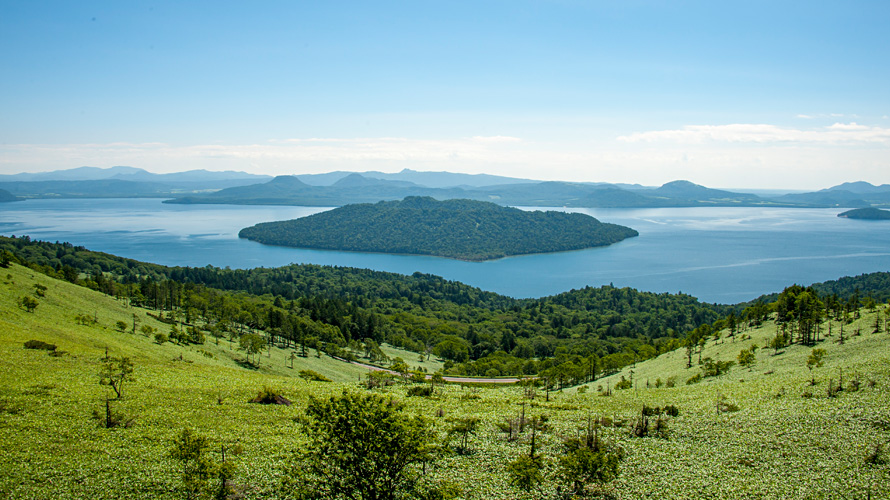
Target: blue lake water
{"x": 722, "y": 255}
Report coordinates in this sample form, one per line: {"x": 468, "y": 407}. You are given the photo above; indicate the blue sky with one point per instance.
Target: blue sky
{"x": 752, "y": 94}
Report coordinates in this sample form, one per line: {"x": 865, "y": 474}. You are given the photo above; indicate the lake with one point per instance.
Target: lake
{"x": 725, "y": 255}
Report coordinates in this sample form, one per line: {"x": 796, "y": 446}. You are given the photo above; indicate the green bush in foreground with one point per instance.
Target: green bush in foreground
{"x": 361, "y": 446}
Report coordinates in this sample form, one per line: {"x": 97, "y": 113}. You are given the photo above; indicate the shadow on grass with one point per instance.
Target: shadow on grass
{"x": 246, "y": 364}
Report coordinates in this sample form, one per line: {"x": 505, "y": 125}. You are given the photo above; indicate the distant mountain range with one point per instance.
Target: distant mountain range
{"x": 358, "y": 188}
{"x": 117, "y": 182}
{"x": 341, "y": 188}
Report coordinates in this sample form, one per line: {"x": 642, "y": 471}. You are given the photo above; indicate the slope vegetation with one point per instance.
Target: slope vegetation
{"x": 764, "y": 431}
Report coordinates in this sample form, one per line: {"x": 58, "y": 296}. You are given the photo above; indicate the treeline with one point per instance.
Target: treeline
{"x": 479, "y": 333}
{"x": 569, "y": 338}
{"x": 462, "y": 229}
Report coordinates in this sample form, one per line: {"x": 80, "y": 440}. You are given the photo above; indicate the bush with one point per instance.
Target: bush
{"x": 359, "y": 446}
{"x": 420, "y": 390}
{"x": 649, "y": 411}
{"x": 624, "y": 384}
{"x": 313, "y": 376}
{"x": 29, "y": 303}
{"x": 671, "y": 411}
{"x": 525, "y": 473}
{"x": 876, "y": 456}
{"x": 269, "y": 396}
{"x": 694, "y": 379}
{"x": 39, "y": 344}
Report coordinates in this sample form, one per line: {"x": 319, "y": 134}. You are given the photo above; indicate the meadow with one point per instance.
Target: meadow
{"x": 759, "y": 432}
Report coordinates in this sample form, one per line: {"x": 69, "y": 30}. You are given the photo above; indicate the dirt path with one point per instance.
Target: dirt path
{"x": 457, "y": 380}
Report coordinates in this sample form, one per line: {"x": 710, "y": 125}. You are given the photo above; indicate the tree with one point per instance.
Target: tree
{"x": 525, "y": 473}
{"x": 747, "y": 357}
{"x": 815, "y": 361}
{"x": 361, "y": 447}
{"x": 115, "y": 372}
{"x": 251, "y": 344}
{"x": 463, "y": 427}
{"x": 6, "y": 258}
{"x": 779, "y": 341}
{"x": 588, "y": 459}
{"x": 399, "y": 366}
{"x": 189, "y": 450}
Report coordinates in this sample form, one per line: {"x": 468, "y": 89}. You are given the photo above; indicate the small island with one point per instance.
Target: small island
{"x": 869, "y": 213}
{"x": 457, "y": 229}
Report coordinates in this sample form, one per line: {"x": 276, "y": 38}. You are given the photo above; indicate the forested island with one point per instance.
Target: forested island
{"x": 458, "y": 229}
{"x": 869, "y": 213}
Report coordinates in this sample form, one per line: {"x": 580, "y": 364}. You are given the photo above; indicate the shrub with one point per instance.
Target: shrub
{"x": 29, "y": 303}
{"x": 694, "y": 379}
{"x": 359, "y": 446}
{"x": 39, "y": 344}
{"x": 269, "y": 396}
{"x": 420, "y": 390}
{"x": 671, "y": 411}
{"x": 624, "y": 384}
{"x": 876, "y": 456}
{"x": 525, "y": 473}
{"x": 724, "y": 406}
{"x": 711, "y": 368}
{"x": 313, "y": 376}
{"x": 588, "y": 460}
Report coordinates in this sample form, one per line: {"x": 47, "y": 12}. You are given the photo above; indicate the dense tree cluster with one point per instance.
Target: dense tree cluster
{"x": 462, "y": 229}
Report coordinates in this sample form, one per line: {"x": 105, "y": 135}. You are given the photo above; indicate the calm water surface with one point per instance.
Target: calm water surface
{"x": 717, "y": 254}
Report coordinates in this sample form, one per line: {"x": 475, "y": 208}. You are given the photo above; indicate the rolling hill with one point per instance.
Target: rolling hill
{"x": 725, "y": 438}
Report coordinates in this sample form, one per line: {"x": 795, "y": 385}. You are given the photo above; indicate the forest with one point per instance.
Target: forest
{"x": 574, "y": 336}
{"x": 460, "y": 229}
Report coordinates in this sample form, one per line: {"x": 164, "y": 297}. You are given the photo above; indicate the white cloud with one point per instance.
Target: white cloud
{"x": 838, "y": 133}
{"x": 717, "y": 156}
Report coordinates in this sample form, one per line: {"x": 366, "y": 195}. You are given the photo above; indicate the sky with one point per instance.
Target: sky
{"x": 753, "y": 94}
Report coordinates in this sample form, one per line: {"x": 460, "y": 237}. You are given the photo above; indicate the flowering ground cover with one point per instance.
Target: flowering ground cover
{"x": 763, "y": 431}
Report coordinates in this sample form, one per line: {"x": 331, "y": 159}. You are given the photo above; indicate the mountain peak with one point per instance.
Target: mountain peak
{"x": 287, "y": 180}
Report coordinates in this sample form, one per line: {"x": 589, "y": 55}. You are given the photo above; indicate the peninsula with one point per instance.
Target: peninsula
{"x": 869, "y": 213}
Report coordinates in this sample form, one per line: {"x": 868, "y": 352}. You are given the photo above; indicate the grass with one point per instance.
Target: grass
{"x": 777, "y": 444}
{"x": 412, "y": 358}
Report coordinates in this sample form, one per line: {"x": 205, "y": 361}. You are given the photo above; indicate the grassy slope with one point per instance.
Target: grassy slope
{"x": 773, "y": 447}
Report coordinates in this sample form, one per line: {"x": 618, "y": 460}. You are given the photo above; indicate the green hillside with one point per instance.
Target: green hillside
{"x": 759, "y": 432}
{"x": 460, "y": 229}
